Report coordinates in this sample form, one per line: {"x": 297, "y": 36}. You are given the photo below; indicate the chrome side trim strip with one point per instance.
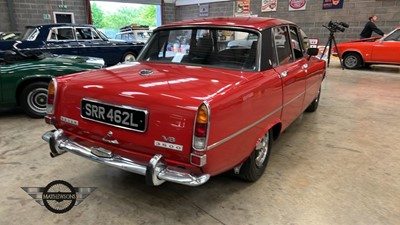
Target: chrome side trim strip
{"x": 256, "y": 122}
{"x": 294, "y": 98}
{"x": 243, "y": 130}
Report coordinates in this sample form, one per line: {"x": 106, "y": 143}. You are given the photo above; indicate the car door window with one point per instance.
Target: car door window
{"x": 297, "y": 42}
{"x": 62, "y": 33}
{"x": 306, "y": 40}
{"x": 282, "y": 44}
{"x": 65, "y": 34}
{"x": 86, "y": 33}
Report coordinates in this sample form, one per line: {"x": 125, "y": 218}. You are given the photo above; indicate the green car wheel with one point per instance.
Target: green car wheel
{"x": 33, "y": 99}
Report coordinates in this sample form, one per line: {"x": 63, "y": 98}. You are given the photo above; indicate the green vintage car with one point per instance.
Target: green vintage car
{"x": 24, "y": 78}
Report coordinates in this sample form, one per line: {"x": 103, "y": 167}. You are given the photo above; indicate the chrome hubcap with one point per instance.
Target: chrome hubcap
{"x": 351, "y": 61}
{"x": 262, "y": 150}
{"x": 37, "y": 100}
{"x": 129, "y": 58}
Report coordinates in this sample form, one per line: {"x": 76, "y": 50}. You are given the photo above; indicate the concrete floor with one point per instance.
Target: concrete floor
{"x": 339, "y": 165}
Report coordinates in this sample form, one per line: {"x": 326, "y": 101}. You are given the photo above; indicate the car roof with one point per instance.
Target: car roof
{"x": 132, "y": 31}
{"x": 60, "y": 25}
{"x": 258, "y": 23}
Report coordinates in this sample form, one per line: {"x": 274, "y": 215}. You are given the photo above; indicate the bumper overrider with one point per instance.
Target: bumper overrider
{"x": 156, "y": 171}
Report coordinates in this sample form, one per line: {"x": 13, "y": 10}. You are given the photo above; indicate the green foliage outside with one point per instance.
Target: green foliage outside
{"x": 143, "y": 15}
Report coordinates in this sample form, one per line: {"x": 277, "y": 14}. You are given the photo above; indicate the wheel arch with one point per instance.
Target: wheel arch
{"x": 344, "y": 54}
{"x": 275, "y": 128}
{"x": 29, "y": 80}
{"x": 131, "y": 50}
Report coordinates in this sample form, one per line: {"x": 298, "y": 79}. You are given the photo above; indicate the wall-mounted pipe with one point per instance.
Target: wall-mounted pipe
{"x": 89, "y": 12}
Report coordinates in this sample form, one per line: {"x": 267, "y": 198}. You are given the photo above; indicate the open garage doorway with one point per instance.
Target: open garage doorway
{"x": 111, "y": 16}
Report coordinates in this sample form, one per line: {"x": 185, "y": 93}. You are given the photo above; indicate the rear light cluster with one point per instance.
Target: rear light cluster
{"x": 200, "y": 135}
{"x": 51, "y": 96}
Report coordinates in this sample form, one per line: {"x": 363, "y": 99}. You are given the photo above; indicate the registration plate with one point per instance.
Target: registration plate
{"x": 122, "y": 116}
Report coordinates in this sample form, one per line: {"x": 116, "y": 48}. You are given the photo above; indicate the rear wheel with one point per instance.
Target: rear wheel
{"x": 367, "y": 65}
{"x": 352, "y": 60}
{"x": 129, "y": 57}
{"x": 255, "y": 165}
{"x": 33, "y": 99}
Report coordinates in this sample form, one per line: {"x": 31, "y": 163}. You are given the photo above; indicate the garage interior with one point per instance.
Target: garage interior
{"x": 336, "y": 166}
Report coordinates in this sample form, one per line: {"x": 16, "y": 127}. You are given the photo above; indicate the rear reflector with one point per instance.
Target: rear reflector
{"x": 49, "y": 120}
{"x": 198, "y": 160}
{"x": 51, "y": 96}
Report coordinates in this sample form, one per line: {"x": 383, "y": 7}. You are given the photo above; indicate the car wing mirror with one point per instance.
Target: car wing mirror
{"x": 312, "y": 52}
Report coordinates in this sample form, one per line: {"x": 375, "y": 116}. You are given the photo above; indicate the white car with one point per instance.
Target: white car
{"x": 243, "y": 43}
{"x": 134, "y": 33}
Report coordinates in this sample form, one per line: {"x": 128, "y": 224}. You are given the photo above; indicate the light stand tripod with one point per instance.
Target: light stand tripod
{"x": 329, "y": 44}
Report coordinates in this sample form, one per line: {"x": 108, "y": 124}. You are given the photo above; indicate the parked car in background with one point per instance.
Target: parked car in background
{"x": 375, "y": 50}
{"x": 134, "y": 33}
{"x": 24, "y": 78}
{"x": 74, "y": 39}
{"x": 190, "y": 108}
{"x": 240, "y": 42}
{"x": 9, "y": 35}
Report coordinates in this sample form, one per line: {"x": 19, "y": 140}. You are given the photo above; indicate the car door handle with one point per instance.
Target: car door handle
{"x": 305, "y": 66}
{"x": 284, "y": 74}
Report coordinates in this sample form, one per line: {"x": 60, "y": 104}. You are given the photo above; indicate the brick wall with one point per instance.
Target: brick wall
{"x": 214, "y": 10}
{"x": 5, "y": 22}
{"x": 169, "y": 13}
{"x": 354, "y": 12}
{"x": 30, "y": 12}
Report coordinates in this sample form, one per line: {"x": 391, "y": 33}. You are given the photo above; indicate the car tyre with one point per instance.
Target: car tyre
{"x": 352, "y": 60}
{"x": 367, "y": 65}
{"x": 33, "y": 99}
{"x": 255, "y": 165}
{"x": 129, "y": 57}
{"x": 314, "y": 104}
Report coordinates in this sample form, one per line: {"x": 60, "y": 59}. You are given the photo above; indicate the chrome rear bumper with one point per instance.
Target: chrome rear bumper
{"x": 156, "y": 171}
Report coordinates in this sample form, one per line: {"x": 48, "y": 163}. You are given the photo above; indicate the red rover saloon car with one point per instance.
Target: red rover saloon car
{"x": 191, "y": 107}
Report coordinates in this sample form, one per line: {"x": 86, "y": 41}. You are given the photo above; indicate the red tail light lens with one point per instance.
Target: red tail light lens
{"x": 51, "y": 96}
{"x": 200, "y": 133}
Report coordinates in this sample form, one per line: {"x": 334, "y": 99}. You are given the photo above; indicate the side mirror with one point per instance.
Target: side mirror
{"x": 312, "y": 52}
